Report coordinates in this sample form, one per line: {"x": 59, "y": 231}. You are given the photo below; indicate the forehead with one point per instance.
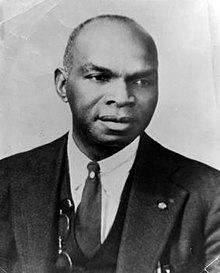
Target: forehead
{"x": 115, "y": 45}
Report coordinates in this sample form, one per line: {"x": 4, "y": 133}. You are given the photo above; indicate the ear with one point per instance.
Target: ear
{"x": 60, "y": 76}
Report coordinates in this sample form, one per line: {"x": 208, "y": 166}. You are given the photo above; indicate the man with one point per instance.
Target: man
{"x": 142, "y": 208}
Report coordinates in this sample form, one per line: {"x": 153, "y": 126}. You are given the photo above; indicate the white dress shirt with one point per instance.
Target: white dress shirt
{"x": 114, "y": 173}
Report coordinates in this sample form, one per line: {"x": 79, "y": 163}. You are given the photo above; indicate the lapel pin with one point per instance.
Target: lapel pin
{"x": 162, "y": 205}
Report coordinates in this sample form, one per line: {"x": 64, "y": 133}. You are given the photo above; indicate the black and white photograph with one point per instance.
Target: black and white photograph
{"x": 109, "y": 136}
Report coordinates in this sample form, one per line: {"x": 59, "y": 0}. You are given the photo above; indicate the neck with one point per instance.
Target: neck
{"x": 96, "y": 152}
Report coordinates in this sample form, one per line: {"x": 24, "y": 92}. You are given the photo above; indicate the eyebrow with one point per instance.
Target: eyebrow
{"x": 142, "y": 74}
{"x": 88, "y": 67}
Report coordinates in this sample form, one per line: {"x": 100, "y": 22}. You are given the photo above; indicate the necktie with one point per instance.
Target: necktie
{"x": 88, "y": 215}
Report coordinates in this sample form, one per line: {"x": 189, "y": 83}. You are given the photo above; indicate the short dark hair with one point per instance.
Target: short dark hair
{"x": 68, "y": 54}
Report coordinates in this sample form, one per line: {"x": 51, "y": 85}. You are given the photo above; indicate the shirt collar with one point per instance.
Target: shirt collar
{"x": 118, "y": 159}
{"x": 115, "y": 169}
{"x": 78, "y": 162}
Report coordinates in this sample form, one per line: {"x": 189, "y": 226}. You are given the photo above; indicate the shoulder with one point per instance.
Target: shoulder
{"x": 22, "y": 163}
{"x": 186, "y": 172}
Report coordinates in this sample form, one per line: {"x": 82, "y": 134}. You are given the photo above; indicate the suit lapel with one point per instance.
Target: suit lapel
{"x": 153, "y": 207}
{"x": 36, "y": 225}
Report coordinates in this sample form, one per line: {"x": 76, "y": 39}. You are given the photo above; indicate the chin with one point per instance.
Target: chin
{"x": 115, "y": 141}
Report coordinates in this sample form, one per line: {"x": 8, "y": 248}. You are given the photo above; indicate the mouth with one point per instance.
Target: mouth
{"x": 116, "y": 119}
{"x": 116, "y": 123}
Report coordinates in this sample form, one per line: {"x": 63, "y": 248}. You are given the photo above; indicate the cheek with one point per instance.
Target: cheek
{"x": 147, "y": 102}
{"x": 83, "y": 94}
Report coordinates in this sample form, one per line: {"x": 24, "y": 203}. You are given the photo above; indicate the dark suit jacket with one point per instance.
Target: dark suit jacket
{"x": 173, "y": 213}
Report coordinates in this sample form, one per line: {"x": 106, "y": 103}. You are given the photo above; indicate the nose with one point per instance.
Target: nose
{"x": 119, "y": 94}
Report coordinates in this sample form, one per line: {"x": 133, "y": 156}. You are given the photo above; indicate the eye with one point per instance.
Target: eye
{"x": 99, "y": 78}
{"x": 142, "y": 82}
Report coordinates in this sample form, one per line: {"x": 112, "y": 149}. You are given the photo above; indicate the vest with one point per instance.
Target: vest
{"x": 105, "y": 259}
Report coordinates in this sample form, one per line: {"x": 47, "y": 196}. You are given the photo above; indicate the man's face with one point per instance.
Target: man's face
{"x": 112, "y": 88}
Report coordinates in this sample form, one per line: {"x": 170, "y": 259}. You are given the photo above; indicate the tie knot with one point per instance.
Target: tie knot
{"x": 93, "y": 169}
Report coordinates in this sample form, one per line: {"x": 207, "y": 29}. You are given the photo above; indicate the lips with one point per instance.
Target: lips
{"x": 117, "y": 119}
{"x": 116, "y": 124}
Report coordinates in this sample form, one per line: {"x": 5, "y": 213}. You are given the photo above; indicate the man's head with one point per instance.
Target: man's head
{"x": 110, "y": 81}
